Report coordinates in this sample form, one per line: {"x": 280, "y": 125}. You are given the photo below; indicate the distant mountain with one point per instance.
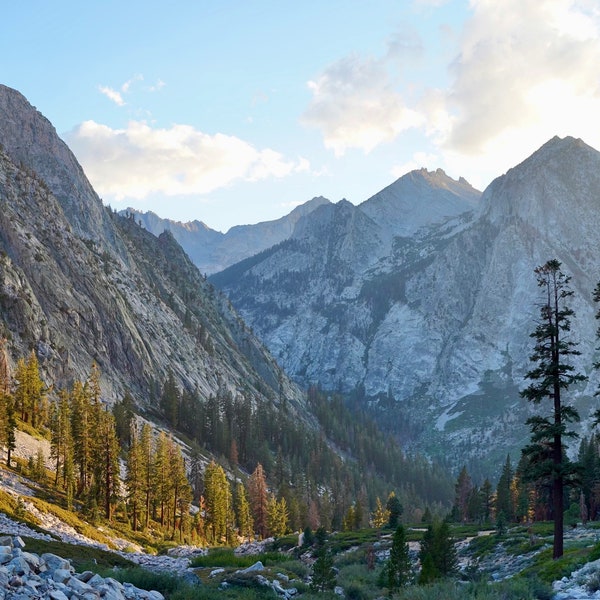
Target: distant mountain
{"x": 212, "y": 251}
{"x": 421, "y": 300}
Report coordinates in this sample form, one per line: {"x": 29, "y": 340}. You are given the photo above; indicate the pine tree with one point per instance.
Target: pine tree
{"x": 504, "y": 500}
{"x": 277, "y": 516}
{"x": 550, "y": 378}
{"x": 462, "y": 493}
{"x": 181, "y": 490}
{"x": 395, "y": 509}
{"x": 217, "y": 495}
{"x": 106, "y": 463}
{"x": 323, "y": 575}
{"x": 258, "y": 497}
{"x": 146, "y": 457}
{"x": 134, "y": 480}
{"x": 396, "y": 571}
{"x": 243, "y": 514}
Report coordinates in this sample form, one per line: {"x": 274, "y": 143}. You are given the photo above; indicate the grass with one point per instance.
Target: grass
{"x": 82, "y": 557}
{"x": 226, "y": 558}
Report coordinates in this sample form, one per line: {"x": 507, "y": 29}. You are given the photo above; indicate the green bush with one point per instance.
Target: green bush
{"x": 225, "y": 557}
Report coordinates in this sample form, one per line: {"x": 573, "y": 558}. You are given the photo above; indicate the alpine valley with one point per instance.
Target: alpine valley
{"x": 88, "y": 295}
{"x": 420, "y": 302}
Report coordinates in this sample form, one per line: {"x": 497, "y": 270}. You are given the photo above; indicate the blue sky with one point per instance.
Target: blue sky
{"x": 234, "y": 112}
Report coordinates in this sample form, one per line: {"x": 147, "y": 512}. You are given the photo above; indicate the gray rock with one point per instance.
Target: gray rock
{"x": 57, "y": 595}
{"x": 257, "y": 566}
{"x": 61, "y": 575}
{"x": 18, "y": 542}
{"x": 19, "y": 566}
{"x": 54, "y": 562}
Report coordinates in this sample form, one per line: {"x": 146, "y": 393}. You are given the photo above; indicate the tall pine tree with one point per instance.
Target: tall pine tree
{"x": 551, "y": 376}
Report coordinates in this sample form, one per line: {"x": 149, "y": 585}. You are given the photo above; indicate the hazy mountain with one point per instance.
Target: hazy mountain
{"x": 429, "y": 312}
{"x": 212, "y": 251}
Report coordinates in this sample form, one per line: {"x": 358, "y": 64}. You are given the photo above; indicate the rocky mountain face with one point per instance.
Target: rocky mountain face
{"x": 212, "y": 251}
{"x": 421, "y": 300}
{"x": 78, "y": 284}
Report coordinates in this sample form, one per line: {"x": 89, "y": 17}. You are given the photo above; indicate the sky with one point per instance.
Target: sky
{"x": 235, "y": 111}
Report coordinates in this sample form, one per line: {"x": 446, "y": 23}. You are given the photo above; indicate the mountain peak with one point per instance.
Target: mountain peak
{"x": 420, "y": 198}
{"x": 556, "y": 187}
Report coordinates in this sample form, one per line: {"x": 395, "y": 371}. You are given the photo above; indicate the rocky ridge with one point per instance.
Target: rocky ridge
{"x": 212, "y": 251}
{"x": 79, "y": 284}
{"x": 433, "y": 326}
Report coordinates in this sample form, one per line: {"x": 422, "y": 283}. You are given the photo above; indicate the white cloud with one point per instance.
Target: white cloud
{"x": 524, "y": 65}
{"x": 139, "y": 161}
{"x": 112, "y": 95}
{"x": 355, "y": 105}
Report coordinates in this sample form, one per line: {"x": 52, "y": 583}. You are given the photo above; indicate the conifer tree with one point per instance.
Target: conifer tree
{"x": 60, "y": 432}
{"x": 551, "y": 377}
{"x": 217, "y": 496}
{"x": 396, "y": 571}
{"x": 462, "y": 492}
{"x": 395, "y": 509}
{"x": 82, "y": 432}
{"x": 181, "y": 490}
{"x": 160, "y": 472}
{"x": 106, "y": 463}
{"x": 504, "y": 500}
{"x": 323, "y": 575}
{"x": 258, "y": 497}
{"x": 146, "y": 457}
{"x": 243, "y": 514}
{"x": 134, "y": 479}
{"x": 277, "y": 516}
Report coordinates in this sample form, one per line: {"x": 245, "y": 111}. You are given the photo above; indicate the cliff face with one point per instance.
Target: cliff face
{"x": 430, "y": 319}
{"x": 79, "y": 283}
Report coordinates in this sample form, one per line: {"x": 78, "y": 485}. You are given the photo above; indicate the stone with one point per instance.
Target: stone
{"x": 19, "y": 566}
{"x": 215, "y": 572}
{"x": 6, "y": 540}
{"x": 18, "y": 542}
{"x": 257, "y": 566}
{"x": 54, "y": 562}
{"x": 61, "y": 575}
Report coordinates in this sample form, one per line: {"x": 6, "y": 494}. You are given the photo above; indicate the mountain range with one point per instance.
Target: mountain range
{"x": 420, "y": 302}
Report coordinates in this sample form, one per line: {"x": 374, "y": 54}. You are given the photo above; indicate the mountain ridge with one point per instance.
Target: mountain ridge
{"x": 440, "y": 318}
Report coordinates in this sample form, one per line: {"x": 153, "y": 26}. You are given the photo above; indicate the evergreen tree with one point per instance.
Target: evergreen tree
{"x": 396, "y": 571}
{"x": 395, "y": 509}
{"x": 134, "y": 480}
{"x": 277, "y": 516}
{"x": 258, "y": 497}
{"x": 504, "y": 500}
{"x": 181, "y": 491}
{"x": 438, "y": 554}
{"x": 550, "y": 378}
{"x": 146, "y": 458}
{"x": 462, "y": 492}
{"x": 323, "y": 575}
{"x": 243, "y": 514}
{"x": 217, "y": 496}
{"x": 106, "y": 463}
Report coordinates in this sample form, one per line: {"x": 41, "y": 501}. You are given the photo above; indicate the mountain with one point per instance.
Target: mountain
{"x": 80, "y": 284}
{"x": 429, "y": 320}
{"x": 212, "y": 251}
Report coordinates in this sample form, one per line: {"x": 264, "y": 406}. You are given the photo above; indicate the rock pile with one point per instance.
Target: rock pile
{"x": 25, "y": 576}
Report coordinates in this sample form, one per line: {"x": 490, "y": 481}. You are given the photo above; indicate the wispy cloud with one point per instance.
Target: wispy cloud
{"x": 117, "y": 95}
{"x": 139, "y": 160}
{"x": 112, "y": 95}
